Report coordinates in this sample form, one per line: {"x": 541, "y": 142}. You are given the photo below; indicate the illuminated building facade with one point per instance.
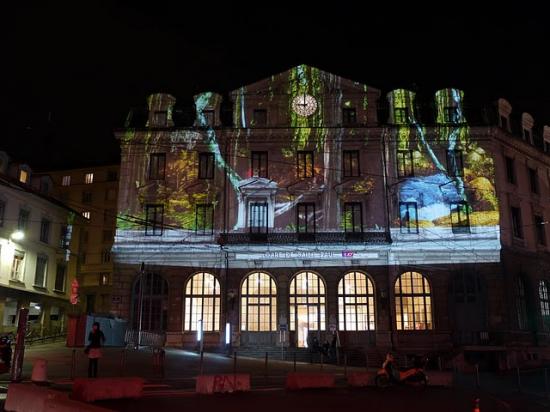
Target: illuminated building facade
{"x": 39, "y": 241}
{"x": 305, "y": 204}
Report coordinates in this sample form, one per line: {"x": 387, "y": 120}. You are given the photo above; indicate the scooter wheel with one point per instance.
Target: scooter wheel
{"x": 382, "y": 381}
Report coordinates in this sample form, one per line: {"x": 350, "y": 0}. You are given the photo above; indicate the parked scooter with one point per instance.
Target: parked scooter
{"x": 5, "y": 352}
{"x": 389, "y": 374}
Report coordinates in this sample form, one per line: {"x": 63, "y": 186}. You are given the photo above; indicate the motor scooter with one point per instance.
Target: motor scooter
{"x": 5, "y": 352}
{"x": 389, "y": 374}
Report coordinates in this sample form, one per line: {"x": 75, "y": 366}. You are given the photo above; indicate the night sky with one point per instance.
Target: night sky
{"x": 79, "y": 69}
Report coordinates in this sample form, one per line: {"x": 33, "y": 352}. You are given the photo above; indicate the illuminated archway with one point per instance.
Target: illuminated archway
{"x": 202, "y": 303}
{"x": 413, "y": 302}
{"x": 356, "y": 302}
{"x": 258, "y": 303}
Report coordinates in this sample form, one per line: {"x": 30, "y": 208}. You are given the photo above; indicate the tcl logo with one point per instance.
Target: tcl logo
{"x": 347, "y": 253}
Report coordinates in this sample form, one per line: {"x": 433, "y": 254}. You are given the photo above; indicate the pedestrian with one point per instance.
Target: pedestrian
{"x": 96, "y": 338}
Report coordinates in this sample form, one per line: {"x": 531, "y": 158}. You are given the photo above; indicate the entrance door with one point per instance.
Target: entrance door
{"x": 469, "y": 308}
{"x": 302, "y": 326}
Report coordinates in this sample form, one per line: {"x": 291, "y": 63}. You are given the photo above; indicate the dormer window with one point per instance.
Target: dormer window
{"x": 451, "y": 115}
{"x": 260, "y": 117}
{"x": 504, "y": 123}
{"x": 160, "y": 118}
{"x": 349, "y": 116}
{"x": 23, "y": 176}
{"x": 400, "y": 115}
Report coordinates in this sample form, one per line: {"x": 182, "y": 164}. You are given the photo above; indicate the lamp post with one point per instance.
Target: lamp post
{"x": 140, "y": 318}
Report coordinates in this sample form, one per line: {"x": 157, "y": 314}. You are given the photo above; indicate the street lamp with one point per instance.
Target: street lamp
{"x": 140, "y": 322}
{"x": 18, "y": 235}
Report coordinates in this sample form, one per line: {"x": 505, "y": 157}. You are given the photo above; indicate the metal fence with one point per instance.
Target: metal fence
{"x": 151, "y": 339}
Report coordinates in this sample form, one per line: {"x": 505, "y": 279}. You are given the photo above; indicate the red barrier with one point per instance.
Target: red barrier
{"x": 440, "y": 378}
{"x": 239, "y": 382}
{"x": 24, "y": 397}
{"x": 309, "y": 380}
{"x": 92, "y": 389}
{"x": 361, "y": 379}
{"x": 68, "y": 405}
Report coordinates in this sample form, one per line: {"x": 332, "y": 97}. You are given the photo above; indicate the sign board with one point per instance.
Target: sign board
{"x": 307, "y": 254}
{"x": 347, "y": 253}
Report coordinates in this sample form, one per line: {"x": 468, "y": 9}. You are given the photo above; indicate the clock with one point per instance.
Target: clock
{"x": 304, "y": 105}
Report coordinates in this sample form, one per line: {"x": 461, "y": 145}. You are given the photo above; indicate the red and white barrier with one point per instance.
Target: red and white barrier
{"x": 440, "y": 378}
{"x": 92, "y": 389}
{"x": 239, "y": 382}
{"x": 361, "y": 379}
{"x": 309, "y": 380}
{"x": 24, "y": 397}
{"x": 69, "y": 405}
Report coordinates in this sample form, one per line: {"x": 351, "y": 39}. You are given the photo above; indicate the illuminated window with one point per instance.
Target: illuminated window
{"x": 307, "y": 305}
{"x": 106, "y": 255}
{"x": 349, "y": 116}
{"x": 41, "y": 271}
{"x": 86, "y": 197}
{"x": 510, "y": 170}
{"x": 401, "y": 115}
{"x": 206, "y": 165}
{"x": 304, "y": 165}
{"x": 408, "y": 217}
{"x": 154, "y": 220}
{"x": 60, "y": 278}
{"x": 260, "y": 117}
{"x": 23, "y": 176}
{"x": 413, "y": 302}
{"x": 257, "y": 222}
{"x": 45, "y": 230}
{"x": 405, "y": 165}
{"x": 521, "y": 304}
{"x": 66, "y": 181}
{"x": 104, "y": 278}
{"x": 451, "y": 114}
{"x": 157, "y": 165}
{"x": 86, "y": 214}
{"x": 533, "y": 180}
{"x": 2, "y": 212}
{"x": 460, "y": 217}
{"x": 17, "y": 266}
{"x": 517, "y": 227}
{"x": 544, "y": 299}
{"x": 202, "y": 303}
{"x": 259, "y": 164}
{"x": 89, "y": 178}
{"x": 539, "y": 229}
{"x": 353, "y": 217}
{"x": 351, "y": 163}
{"x": 305, "y": 221}
{"x": 154, "y": 307}
{"x": 204, "y": 219}
{"x": 356, "y": 302}
{"x": 258, "y": 303}
{"x": 23, "y": 220}
{"x": 455, "y": 165}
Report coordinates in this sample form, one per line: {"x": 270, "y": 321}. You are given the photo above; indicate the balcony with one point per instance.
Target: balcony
{"x": 375, "y": 237}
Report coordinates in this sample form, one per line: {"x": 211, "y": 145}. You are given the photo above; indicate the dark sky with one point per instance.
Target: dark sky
{"x": 83, "y": 66}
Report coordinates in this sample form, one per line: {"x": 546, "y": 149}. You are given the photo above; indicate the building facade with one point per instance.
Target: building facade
{"x": 93, "y": 192}
{"x": 39, "y": 247}
{"x": 310, "y": 205}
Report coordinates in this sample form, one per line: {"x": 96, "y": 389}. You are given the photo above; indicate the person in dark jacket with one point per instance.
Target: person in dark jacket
{"x": 96, "y": 338}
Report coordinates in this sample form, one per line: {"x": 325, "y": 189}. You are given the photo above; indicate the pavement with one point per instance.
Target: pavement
{"x": 173, "y": 388}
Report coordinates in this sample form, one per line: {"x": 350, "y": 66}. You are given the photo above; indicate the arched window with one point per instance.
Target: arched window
{"x": 155, "y": 302}
{"x": 356, "y": 302}
{"x": 202, "y": 303}
{"x": 521, "y": 304}
{"x": 258, "y": 303}
{"x": 544, "y": 299}
{"x": 413, "y": 302}
{"x": 307, "y": 305}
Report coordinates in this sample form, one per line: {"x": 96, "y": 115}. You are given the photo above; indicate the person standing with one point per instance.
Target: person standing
{"x": 96, "y": 338}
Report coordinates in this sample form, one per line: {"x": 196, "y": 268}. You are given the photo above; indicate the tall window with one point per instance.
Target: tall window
{"x": 106, "y": 255}
{"x": 353, "y": 217}
{"x": 202, "y": 303}
{"x": 405, "y": 166}
{"x": 260, "y": 117}
{"x": 66, "y": 181}
{"x": 307, "y": 305}
{"x": 2, "y": 212}
{"x": 23, "y": 221}
{"x": 539, "y": 230}
{"x": 460, "y": 217}
{"x": 544, "y": 299}
{"x": 89, "y": 178}
{"x": 159, "y": 118}
{"x": 59, "y": 285}
{"x": 455, "y": 165}
{"x": 356, "y": 302}
{"x": 401, "y": 115}
{"x": 408, "y": 217}
{"x": 533, "y": 180}
{"x": 304, "y": 165}
{"x": 41, "y": 270}
{"x": 349, "y": 116}
{"x": 521, "y": 304}
{"x": 86, "y": 214}
{"x": 155, "y": 302}
{"x": 259, "y": 164}
{"x": 259, "y": 303}
{"x": 527, "y": 136}
{"x": 517, "y": 227}
{"x": 157, "y": 166}
{"x": 451, "y": 114}
{"x": 45, "y": 230}
{"x": 17, "y": 270}
{"x": 104, "y": 278}
{"x": 154, "y": 215}
{"x": 510, "y": 170}
{"x": 351, "y": 163}
{"x": 204, "y": 219}
{"x": 413, "y": 302}
{"x": 23, "y": 176}
{"x": 305, "y": 219}
{"x": 206, "y": 165}
{"x": 258, "y": 218}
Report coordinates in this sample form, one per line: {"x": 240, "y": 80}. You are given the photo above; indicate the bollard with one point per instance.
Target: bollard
{"x": 366, "y": 360}
{"x": 201, "y": 362}
{"x": 322, "y": 359}
{"x": 266, "y": 368}
{"x": 122, "y": 361}
{"x": 345, "y": 365}
{"x": 519, "y": 379}
{"x": 234, "y": 363}
{"x": 40, "y": 371}
{"x": 294, "y": 361}
{"x": 477, "y": 375}
{"x": 546, "y": 388}
{"x": 73, "y": 364}
{"x": 439, "y": 363}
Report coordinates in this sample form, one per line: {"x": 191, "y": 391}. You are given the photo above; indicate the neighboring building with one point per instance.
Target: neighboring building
{"x": 39, "y": 246}
{"x": 93, "y": 192}
{"x": 313, "y": 205}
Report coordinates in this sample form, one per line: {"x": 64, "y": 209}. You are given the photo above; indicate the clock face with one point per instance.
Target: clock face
{"x": 304, "y": 105}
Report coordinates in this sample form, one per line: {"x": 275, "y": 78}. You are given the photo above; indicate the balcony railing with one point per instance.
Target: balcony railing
{"x": 293, "y": 237}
